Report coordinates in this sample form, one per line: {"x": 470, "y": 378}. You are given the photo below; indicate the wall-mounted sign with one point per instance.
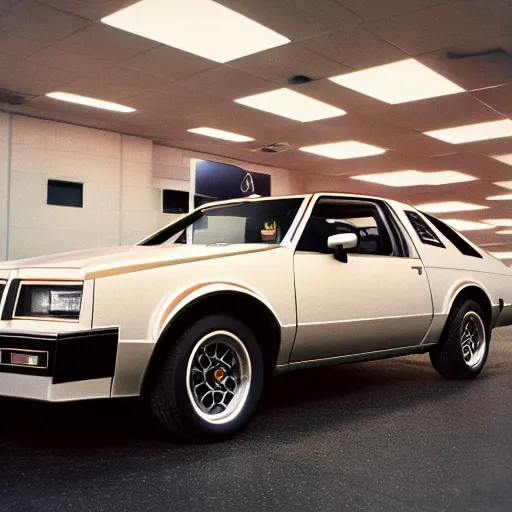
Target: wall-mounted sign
{"x": 222, "y": 181}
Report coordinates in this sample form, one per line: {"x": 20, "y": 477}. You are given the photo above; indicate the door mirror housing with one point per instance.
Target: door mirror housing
{"x": 341, "y": 243}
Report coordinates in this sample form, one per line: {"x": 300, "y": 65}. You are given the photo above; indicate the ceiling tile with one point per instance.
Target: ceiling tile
{"x": 221, "y": 82}
{"x": 494, "y": 17}
{"x": 355, "y": 48}
{"x": 18, "y": 46}
{"x": 370, "y": 10}
{"x": 28, "y": 78}
{"x": 33, "y": 20}
{"x": 296, "y": 19}
{"x": 484, "y": 168}
{"x": 475, "y": 71}
{"x": 164, "y": 105}
{"x": 435, "y": 113}
{"x": 168, "y": 63}
{"x": 130, "y": 77}
{"x": 331, "y": 93}
{"x": 427, "y": 30}
{"x": 494, "y": 147}
{"x": 101, "y": 89}
{"x": 280, "y": 64}
{"x": 497, "y": 98}
{"x": 104, "y": 42}
{"x": 60, "y": 59}
{"x": 7, "y": 4}
{"x": 91, "y": 9}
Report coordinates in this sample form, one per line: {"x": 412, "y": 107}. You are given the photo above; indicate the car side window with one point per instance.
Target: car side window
{"x": 332, "y": 218}
{"x": 453, "y": 237}
{"x": 424, "y": 231}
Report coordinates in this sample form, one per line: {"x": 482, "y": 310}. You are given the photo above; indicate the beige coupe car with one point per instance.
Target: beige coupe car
{"x": 198, "y": 317}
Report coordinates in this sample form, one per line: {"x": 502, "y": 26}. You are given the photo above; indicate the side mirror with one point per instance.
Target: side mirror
{"x": 340, "y": 243}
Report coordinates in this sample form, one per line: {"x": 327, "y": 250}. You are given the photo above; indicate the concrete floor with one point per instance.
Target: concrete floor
{"x": 384, "y": 436}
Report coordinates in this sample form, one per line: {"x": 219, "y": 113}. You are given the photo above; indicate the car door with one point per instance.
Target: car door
{"x": 378, "y": 300}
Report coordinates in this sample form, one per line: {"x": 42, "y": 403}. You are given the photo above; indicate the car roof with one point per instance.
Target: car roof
{"x": 304, "y": 196}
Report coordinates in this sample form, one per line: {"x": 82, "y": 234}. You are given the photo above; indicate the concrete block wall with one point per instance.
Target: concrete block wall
{"x": 123, "y": 177}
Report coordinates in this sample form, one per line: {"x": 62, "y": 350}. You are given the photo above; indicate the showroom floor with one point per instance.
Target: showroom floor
{"x": 384, "y": 436}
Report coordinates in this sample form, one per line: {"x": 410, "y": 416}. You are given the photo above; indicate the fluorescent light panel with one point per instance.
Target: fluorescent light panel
{"x": 467, "y": 225}
{"x": 507, "y": 255}
{"x": 474, "y": 132}
{"x": 504, "y": 184}
{"x": 89, "y": 102}
{"x": 415, "y": 178}
{"x": 499, "y": 222}
{"x": 344, "y": 150}
{"x": 220, "y": 134}
{"x": 450, "y": 206}
{"x": 201, "y": 27}
{"x": 502, "y": 197}
{"x": 399, "y": 82}
{"x": 293, "y": 105}
{"x": 504, "y": 232}
{"x": 506, "y": 159}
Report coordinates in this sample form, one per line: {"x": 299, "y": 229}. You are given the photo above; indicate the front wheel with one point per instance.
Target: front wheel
{"x": 211, "y": 380}
{"x": 462, "y": 352}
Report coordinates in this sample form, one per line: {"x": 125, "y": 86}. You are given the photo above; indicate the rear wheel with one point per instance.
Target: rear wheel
{"x": 462, "y": 352}
{"x": 211, "y": 380}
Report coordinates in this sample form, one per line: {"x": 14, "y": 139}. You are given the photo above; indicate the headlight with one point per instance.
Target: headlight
{"x": 38, "y": 300}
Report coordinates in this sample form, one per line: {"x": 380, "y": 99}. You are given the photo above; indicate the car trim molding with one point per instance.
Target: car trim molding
{"x": 97, "y": 273}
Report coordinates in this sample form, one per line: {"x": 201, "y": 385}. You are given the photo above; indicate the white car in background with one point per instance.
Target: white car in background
{"x": 198, "y": 316}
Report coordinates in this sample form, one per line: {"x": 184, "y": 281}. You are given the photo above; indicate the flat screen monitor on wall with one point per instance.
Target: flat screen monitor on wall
{"x": 222, "y": 181}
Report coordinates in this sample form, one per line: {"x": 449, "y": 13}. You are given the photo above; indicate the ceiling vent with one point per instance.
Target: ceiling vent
{"x": 275, "y": 147}
{"x": 11, "y": 97}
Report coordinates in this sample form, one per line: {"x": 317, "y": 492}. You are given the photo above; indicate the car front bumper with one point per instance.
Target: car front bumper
{"x": 68, "y": 366}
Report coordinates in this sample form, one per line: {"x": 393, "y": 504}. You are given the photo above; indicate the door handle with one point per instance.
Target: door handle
{"x": 419, "y": 269}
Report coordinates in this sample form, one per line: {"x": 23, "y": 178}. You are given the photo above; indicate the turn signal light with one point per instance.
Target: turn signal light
{"x": 24, "y": 359}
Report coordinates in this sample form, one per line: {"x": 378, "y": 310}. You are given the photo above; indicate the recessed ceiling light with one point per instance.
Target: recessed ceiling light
{"x": 504, "y": 232}
{"x": 201, "y": 27}
{"x": 450, "y": 206}
{"x": 415, "y": 178}
{"x": 398, "y": 82}
{"x": 467, "y": 225}
{"x": 474, "y": 132}
{"x": 502, "y": 197}
{"x": 220, "y": 134}
{"x": 493, "y": 244}
{"x": 499, "y": 222}
{"x": 506, "y": 159}
{"x": 504, "y": 184}
{"x": 291, "y": 104}
{"x": 507, "y": 255}
{"x": 89, "y": 102}
{"x": 344, "y": 150}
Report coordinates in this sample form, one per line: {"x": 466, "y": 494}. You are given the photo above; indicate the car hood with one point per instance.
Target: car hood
{"x": 115, "y": 260}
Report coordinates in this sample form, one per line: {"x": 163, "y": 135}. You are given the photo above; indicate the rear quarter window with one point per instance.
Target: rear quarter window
{"x": 424, "y": 231}
{"x": 454, "y": 237}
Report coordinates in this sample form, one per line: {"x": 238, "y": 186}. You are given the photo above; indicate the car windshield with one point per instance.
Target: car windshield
{"x": 254, "y": 222}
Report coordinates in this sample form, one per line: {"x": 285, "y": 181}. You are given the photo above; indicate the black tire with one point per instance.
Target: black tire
{"x": 171, "y": 399}
{"x": 447, "y": 356}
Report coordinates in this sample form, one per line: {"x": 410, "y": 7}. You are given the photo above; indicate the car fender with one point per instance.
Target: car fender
{"x": 458, "y": 287}
{"x": 180, "y": 300}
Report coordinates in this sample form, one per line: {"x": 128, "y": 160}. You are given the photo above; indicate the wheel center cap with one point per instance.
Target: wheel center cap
{"x": 219, "y": 374}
